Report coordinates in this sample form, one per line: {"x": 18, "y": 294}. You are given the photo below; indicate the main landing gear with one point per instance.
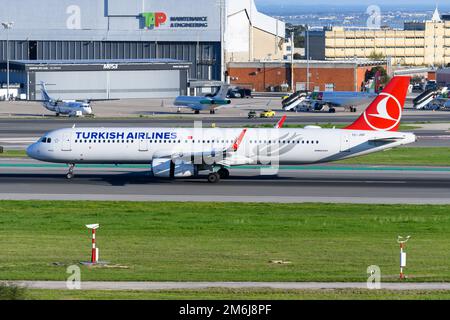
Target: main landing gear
{"x": 70, "y": 174}
{"x": 212, "y": 111}
{"x": 214, "y": 177}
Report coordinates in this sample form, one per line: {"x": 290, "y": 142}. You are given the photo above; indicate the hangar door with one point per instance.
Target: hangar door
{"x": 144, "y": 84}
{"x": 110, "y": 84}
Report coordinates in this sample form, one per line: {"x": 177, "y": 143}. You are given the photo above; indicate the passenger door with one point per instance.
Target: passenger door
{"x": 143, "y": 145}
{"x": 66, "y": 142}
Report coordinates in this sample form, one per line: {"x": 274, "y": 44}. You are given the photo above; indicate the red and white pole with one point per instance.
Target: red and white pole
{"x": 402, "y": 241}
{"x": 94, "y": 252}
{"x": 402, "y": 260}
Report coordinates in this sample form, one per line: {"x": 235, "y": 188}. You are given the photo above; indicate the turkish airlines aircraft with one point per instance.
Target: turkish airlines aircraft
{"x": 179, "y": 153}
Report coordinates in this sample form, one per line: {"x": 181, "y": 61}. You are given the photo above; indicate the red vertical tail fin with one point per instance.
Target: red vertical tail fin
{"x": 385, "y": 112}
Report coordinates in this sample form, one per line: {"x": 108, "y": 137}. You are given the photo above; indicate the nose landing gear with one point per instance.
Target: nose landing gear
{"x": 70, "y": 174}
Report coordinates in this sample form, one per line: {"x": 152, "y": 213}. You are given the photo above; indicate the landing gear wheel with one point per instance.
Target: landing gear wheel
{"x": 353, "y": 109}
{"x": 332, "y": 110}
{"x": 212, "y": 111}
{"x": 70, "y": 174}
{"x": 197, "y": 112}
{"x": 213, "y": 177}
{"x": 57, "y": 114}
{"x": 224, "y": 173}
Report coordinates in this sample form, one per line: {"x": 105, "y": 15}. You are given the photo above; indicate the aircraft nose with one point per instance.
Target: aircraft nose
{"x": 32, "y": 151}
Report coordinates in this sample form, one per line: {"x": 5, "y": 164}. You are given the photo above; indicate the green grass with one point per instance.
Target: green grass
{"x": 222, "y": 242}
{"x": 414, "y": 156}
{"x": 13, "y": 154}
{"x": 234, "y": 294}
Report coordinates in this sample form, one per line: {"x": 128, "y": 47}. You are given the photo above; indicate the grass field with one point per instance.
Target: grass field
{"x": 413, "y": 156}
{"x": 223, "y": 294}
{"x": 13, "y": 154}
{"x": 222, "y": 242}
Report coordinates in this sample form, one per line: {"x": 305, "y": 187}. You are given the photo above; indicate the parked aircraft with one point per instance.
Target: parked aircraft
{"x": 71, "y": 108}
{"x": 185, "y": 152}
{"x": 210, "y": 103}
{"x": 317, "y": 101}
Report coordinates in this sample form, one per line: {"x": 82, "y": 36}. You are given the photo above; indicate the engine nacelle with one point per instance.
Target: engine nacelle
{"x": 178, "y": 168}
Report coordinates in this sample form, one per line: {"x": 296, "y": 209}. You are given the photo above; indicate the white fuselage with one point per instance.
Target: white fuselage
{"x": 259, "y": 146}
{"x": 70, "y": 108}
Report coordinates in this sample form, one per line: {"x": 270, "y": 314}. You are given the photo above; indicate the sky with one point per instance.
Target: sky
{"x": 398, "y": 3}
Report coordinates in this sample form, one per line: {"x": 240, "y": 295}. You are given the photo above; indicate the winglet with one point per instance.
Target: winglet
{"x": 238, "y": 141}
{"x": 280, "y": 123}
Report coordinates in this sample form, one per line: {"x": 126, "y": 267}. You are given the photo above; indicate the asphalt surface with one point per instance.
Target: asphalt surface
{"x": 29, "y": 180}
{"x": 44, "y": 124}
{"x": 149, "y": 286}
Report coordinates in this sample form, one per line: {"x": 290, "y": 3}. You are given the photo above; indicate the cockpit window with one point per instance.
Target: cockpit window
{"x": 46, "y": 140}
{"x": 49, "y": 140}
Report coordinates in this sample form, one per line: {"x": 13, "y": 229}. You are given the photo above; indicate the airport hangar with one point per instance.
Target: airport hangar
{"x": 101, "y": 79}
{"x": 206, "y": 33}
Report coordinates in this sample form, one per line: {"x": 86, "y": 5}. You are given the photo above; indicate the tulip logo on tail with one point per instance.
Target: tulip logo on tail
{"x": 385, "y": 112}
{"x": 154, "y": 19}
{"x": 388, "y": 114}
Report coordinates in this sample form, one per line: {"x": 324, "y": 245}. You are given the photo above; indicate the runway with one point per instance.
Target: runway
{"x": 30, "y": 180}
{"x": 152, "y": 286}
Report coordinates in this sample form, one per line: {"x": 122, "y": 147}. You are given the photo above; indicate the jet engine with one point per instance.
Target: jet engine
{"x": 176, "y": 168}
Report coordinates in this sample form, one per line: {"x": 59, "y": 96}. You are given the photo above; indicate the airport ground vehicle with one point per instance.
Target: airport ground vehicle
{"x": 431, "y": 85}
{"x": 252, "y": 114}
{"x": 184, "y": 152}
{"x": 238, "y": 92}
{"x": 267, "y": 114}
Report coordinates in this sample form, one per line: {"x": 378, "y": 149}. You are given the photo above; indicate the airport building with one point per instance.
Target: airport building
{"x": 323, "y": 75}
{"x": 419, "y": 43}
{"x": 99, "y": 79}
{"x": 205, "y": 33}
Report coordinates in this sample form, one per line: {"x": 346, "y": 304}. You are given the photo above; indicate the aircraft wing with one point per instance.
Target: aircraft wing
{"x": 96, "y": 100}
{"x": 225, "y": 156}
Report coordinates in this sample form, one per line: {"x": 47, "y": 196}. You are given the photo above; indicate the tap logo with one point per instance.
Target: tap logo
{"x": 388, "y": 114}
{"x": 154, "y": 19}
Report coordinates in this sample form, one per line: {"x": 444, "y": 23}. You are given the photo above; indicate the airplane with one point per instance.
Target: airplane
{"x": 72, "y": 108}
{"x": 344, "y": 99}
{"x": 209, "y": 102}
{"x": 185, "y": 152}
{"x": 317, "y": 101}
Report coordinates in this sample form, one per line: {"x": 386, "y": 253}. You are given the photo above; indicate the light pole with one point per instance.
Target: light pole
{"x": 7, "y": 26}
{"x": 307, "y": 58}
{"x": 292, "y": 60}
